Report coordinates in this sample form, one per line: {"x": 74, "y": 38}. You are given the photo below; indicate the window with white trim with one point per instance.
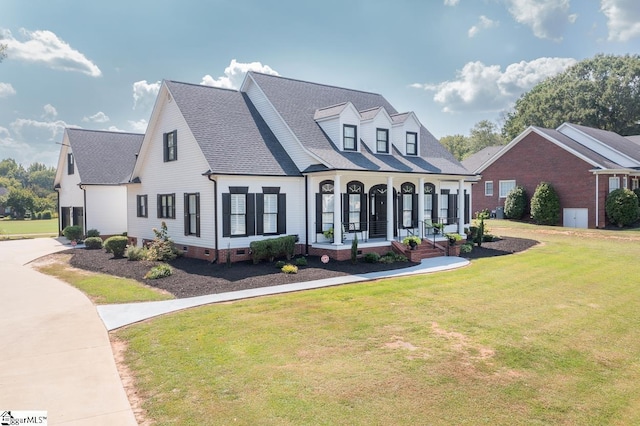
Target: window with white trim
{"x": 239, "y": 214}
{"x": 635, "y": 183}
{"x": 614, "y": 183}
{"x": 382, "y": 140}
{"x": 142, "y": 205}
{"x": 328, "y": 204}
{"x": 429, "y": 190}
{"x": 488, "y": 188}
{"x": 505, "y": 187}
{"x": 412, "y": 143}
{"x": 349, "y": 137}
{"x": 270, "y": 214}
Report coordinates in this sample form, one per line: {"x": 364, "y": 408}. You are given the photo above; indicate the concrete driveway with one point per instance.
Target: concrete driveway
{"x": 56, "y": 355}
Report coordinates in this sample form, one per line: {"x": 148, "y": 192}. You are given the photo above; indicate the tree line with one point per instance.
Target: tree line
{"x": 27, "y": 191}
{"x": 602, "y": 92}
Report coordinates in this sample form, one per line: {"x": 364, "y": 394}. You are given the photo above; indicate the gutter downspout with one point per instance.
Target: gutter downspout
{"x": 84, "y": 207}
{"x": 306, "y": 215}
{"x": 215, "y": 219}
{"x": 597, "y": 200}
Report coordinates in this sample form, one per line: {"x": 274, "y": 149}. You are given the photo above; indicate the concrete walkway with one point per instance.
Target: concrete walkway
{"x": 116, "y": 316}
{"x": 56, "y": 352}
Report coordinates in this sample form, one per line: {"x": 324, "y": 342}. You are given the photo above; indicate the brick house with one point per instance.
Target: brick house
{"x": 583, "y": 165}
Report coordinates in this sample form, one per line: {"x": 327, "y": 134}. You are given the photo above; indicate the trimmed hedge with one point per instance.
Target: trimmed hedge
{"x": 272, "y": 248}
{"x": 72, "y": 233}
{"x": 93, "y": 243}
{"x": 116, "y": 245}
{"x": 515, "y": 204}
{"x": 545, "y": 205}
{"x": 622, "y": 207}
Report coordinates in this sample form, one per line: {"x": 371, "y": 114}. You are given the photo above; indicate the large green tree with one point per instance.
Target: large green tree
{"x": 602, "y": 92}
{"x": 483, "y": 134}
{"x": 457, "y": 145}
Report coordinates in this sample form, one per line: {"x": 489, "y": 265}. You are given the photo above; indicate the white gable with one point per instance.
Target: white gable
{"x": 379, "y": 120}
{"x": 597, "y": 146}
{"x": 333, "y": 119}
{"x": 409, "y": 124}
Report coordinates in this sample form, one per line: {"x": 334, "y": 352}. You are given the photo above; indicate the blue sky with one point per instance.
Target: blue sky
{"x": 97, "y": 65}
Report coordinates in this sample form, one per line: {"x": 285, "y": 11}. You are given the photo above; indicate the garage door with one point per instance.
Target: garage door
{"x": 575, "y": 218}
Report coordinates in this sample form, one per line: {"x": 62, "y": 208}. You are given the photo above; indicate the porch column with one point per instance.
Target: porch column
{"x": 390, "y": 223}
{"x": 421, "y": 205}
{"x": 337, "y": 223}
{"x": 461, "y": 207}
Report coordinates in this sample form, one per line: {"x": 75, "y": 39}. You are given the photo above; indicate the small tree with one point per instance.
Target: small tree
{"x": 622, "y": 207}
{"x": 20, "y": 200}
{"x": 515, "y": 204}
{"x": 545, "y": 205}
{"x": 354, "y": 249}
{"x": 162, "y": 247}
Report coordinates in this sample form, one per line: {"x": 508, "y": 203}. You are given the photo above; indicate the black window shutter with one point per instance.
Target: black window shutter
{"x": 400, "y": 207}
{"x": 197, "y": 214}
{"x": 175, "y": 150}
{"x": 414, "y": 210}
{"x": 165, "y": 148}
{"x": 345, "y": 211}
{"x": 186, "y": 214}
{"x": 363, "y": 212}
{"x": 159, "y": 205}
{"x": 282, "y": 213}
{"x": 318, "y": 213}
{"x": 434, "y": 207}
{"x": 251, "y": 214}
{"x": 466, "y": 207}
{"x": 226, "y": 215}
{"x": 452, "y": 208}
{"x": 259, "y": 214}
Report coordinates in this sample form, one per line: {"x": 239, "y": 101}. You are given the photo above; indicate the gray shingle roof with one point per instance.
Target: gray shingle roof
{"x": 595, "y": 157}
{"x": 474, "y": 161}
{"x": 614, "y": 140}
{"x": 297, "y": 101}
{"x": 231, "y": 133}
{"x": 104, "y": 158}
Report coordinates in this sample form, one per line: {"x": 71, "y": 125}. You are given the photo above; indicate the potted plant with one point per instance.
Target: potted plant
{"x": 453, "y": 238}
{"x": 411, "y": 241}
{"x": 328, "y": 234}
{"x": 437, "y": 228}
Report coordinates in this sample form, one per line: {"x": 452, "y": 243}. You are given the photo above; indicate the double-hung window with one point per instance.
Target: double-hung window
{"x": 192, "y": 214}
{"x": 349, "y": 137}
{"x": 412, "y": 143}
{"x": 382, "y": 140}
{"x": 506, "y": 186}
{"x": 614, "y": 183}
{"x": 325, "y": 205}
{"x": 238, "y": 214}
{"x": 170, "y": 144}
{"x": 488, "y": 188}
{"x": 166, "y": 206}
{"x": 429, "y": 191}
{"x": 354, "y": 206}
{"x": 408, "y": 205}
{"x": 141, "y": 202}
{"x": 270, "y": 214}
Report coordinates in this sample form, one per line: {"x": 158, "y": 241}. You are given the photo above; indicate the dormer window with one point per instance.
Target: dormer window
{"x": 412, "y": 143}
{"x": 349, "y": 137}
{"x": 382, "y": 141}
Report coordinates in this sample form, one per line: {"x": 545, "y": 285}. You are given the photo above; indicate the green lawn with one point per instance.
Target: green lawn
{"x": 29, "y": 228}
{"x": 549, "y": 336}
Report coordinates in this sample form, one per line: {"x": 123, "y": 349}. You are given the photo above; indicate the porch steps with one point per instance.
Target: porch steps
{"x": 424, "y": 250}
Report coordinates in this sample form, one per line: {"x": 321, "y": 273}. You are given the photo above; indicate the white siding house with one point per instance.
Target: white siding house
{"x": 223, "y": 168}
{"x": 93, "y": 168}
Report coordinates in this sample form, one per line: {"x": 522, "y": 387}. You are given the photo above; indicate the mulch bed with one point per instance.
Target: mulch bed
{"x": 194, "y": 277}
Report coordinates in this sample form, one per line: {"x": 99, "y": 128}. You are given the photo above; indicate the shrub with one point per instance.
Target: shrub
{"x": 93, "y": 233}
{"x": 301, "y": 261}
{"x": 134, "y": 253}
{"x": 116, "y": 245}
{"x": 280, "y": 264}
{"x": 271, "y": 248}
{"x": 515, "y": 204}
{"x": 371, "y": 257}
{"x": 466, "y": 248}
{"x": 93, "y": 243}
{"x": 487, "y": 238}
{"x": 46, "y": 215}
{"x": 637, "y": 192}
{"x": 289, "y": 269}
{"x": 386, "y": 259}
{"x": 545, "y": 205}
{"x": 72, "y": 233}
{"x": 622, "y": 207}
{"x": 159, "y": 271}
{"x": 162, "y": 247}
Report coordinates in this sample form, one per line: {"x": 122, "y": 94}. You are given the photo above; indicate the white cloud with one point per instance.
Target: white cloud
{"x": 6, "y": 89}
{"x": 485, "y": 23}
{"x": 623, "y": 18}
{"x": 479, "y": 87}
{"x": 45, "y": 47}
{"x": 547, "y": 18}
{"x": 234, "y": 74}
{"x": 98, "y": 117}
{"x": 451, "y": 2}
{"x": 144, "y": 93}
{"x": 25, "y": 128}
{"x": 50, "y": 112}
{"x": 139, "y": 126}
